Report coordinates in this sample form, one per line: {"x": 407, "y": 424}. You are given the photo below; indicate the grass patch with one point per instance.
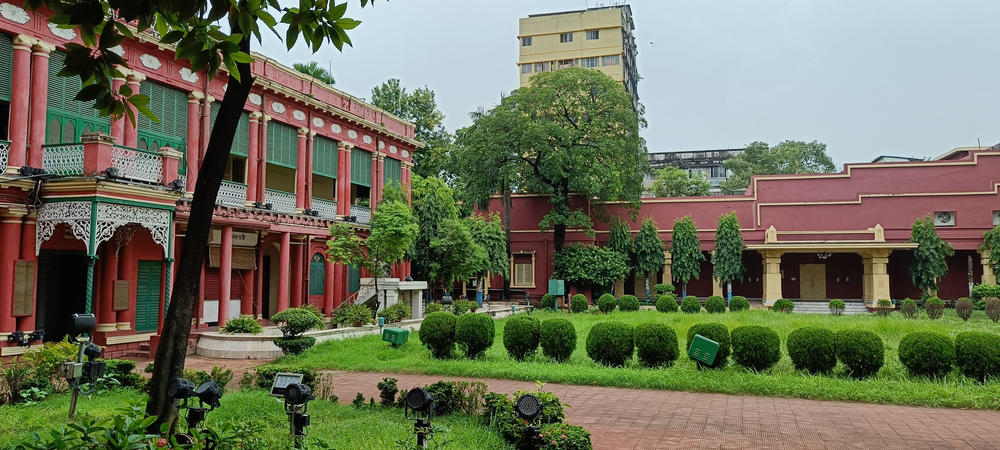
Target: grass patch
{"x": 338, "y": 426}
{"x": 892, "y": 384}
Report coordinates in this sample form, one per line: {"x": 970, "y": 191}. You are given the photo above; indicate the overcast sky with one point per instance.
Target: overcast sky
{"x": 866, "y": 77}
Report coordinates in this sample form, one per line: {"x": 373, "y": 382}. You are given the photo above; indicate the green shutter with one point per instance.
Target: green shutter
{"x": 393, "y": 171}
{"x": 147, "y": 301}
{"x": 6, "y": 66}
{"x": 353, "y": 279}
{"x": 169, "y": 105}
{"x": 317, "y": 277}
{"x": 241, "y": 142}
{"x": 67, "y": 119}
{"x": 361, "y": 167}
{"x": 325, "y": 157}
{"x": 282, "y": 144}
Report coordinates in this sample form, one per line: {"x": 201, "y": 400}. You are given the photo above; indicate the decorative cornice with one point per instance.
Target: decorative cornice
{"x": 256, "y": 116}
{"x": 43, "y": 48}
{"x": 303, "y": 131}
{"x": 195, "y": 96}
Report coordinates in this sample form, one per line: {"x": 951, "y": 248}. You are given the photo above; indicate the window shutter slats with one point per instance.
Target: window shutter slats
{"x": 6, "y": 66}
{"x": 282, "y": 144}
{"x": 361, "y": 167}
{"x": 325, "y": 157}
{"x": 393, "y": 171}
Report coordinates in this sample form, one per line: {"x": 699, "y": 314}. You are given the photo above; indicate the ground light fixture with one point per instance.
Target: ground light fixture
{"x": 208, "y": 394}
{"x": 297, "y": 397}
{"x": 529, "y": 408}
{"x": 77, "y": 373}
{"x": 422, "y": 404}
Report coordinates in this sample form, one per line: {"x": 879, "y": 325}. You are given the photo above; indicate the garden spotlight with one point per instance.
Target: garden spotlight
{"x": 420, "y": 401}
{"x": 180, "y": 389}
{"x": 529, "y": 408}
{"x": 76, "y": 372}
{"x": 297, "y": 397}
{"x": 209, "y": 393}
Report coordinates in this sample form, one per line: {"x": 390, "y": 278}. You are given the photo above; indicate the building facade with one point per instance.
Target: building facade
{"x": 101, "y": 230}
{"x": 599, "y": 38}
{"x": 815, "y": 237}
{"x": 705, "y": 163}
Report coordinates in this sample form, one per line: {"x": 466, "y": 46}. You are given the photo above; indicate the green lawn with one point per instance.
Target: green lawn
{"x": 891, "y": 385}
{"x": 338, "y": 426}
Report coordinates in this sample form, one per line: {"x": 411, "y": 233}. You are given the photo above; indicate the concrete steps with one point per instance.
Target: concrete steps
{"x": 824, "y": 308}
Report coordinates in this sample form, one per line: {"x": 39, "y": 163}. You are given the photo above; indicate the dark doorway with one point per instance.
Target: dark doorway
{"x": 62, "y": 290}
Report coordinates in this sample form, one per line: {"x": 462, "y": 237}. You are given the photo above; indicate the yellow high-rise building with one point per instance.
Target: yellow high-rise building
{"x": 599, "y": 38}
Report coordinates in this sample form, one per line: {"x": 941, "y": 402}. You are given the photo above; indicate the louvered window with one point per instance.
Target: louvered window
{"x": 524, "y": 271}
{"x": 361, "y": 167}
{"x": 6, "y": 66}
{"x": 147, "y": 299}
{"x": 282, "y": 144}
{"x": 317, "y": 274}
{"x": 241, "y": 142}
{"x": 169, "y": 105}
{"x": 325, "y": 157}
{"x": 67, "y": 119}
{"x": 393, "y": 171}
{"x": 353, "y": 279}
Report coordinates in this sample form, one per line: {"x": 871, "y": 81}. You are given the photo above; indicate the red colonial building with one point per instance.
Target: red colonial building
{"x": 101, "y": 231}
{"x": 809, "y": 237}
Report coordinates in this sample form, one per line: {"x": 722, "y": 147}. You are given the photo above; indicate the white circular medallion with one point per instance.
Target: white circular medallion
{"x": 335, "y": 128}
{"x": 299, "y": 115}
{"x": 254, "y": 98}
{"x": 278, "y": 107}
{"x": 317, "y": 122}
{"x": 406, "y": 154}
{"x": 367, "y": 139}
{"x": 393, "y": 149}
{"x": 352, "y": 134}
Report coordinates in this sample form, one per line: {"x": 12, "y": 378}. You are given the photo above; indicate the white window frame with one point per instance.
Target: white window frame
{"x": 595, "y": 33}
{"x": 593, "y": 59}
{"x": 525, "y": 69}
{"x": 605, "y": 59}
{"x": 565, "y": 38}
{"x": 526, "y": 41}
{"x": 514, "y": 280}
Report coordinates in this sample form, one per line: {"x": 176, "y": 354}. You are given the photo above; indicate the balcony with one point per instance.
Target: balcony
{"x": 63, "y": 159}
{"x": 283, "y": 202}
{"x": 231, "y": 194}
{"x": 362, "y": 213}
{"x": 327, "y": 209}
{"x": 4, "y": 151}
{"x": 137, "y": 165}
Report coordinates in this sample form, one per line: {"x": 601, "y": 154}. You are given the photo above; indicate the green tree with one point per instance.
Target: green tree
{"x": 313, "y": 69}
{"x": 788, "y": 157}
{"x": 685, "y": 252}
{"x": 674, "y": 182}
{"x": 620, "y": 240}
{"x": 991, "y": 243}
{"x": 444, "y": 248}
{"x": 573, "y": 132}
{"x": 727, "y": 261}
{"x": 648, "y": 251}
{"x": 930, "y": 258}
{"x": 419, "y": 107}
{"x": 208, "y": 36}
{"x": 457, "y": 256}
{"x": 489, "y": 234}
{"x": 589, "y": 266}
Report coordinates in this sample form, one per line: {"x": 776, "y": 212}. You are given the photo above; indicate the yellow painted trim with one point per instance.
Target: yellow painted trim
{"x": 827, "y": 245}
{"x": 115, "y": 340}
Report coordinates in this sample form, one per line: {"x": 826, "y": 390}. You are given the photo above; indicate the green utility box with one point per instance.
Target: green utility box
{"x": 557, "y": 288}
{"x": 398, "y": 336}
{"x": 703, "y": 350}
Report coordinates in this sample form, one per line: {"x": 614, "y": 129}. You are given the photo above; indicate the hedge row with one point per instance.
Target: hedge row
{"x": 442, "y": 330}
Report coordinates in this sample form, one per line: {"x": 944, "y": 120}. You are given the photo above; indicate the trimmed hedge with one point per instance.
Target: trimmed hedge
{"x": 861, "y": 351}
{"x": 691, "y": 305}
{"x": 909, "y": 308}
{"x": 812, "y": 349}
{"x": 934, "y": 307}
{"x": 738, "y": 303}
{"x": 294, "y": 345}
{"x": 666, "y": 303}
{"x": 783, "y": 305}
{"x": 548, "y": 301}
{"x": 755, "y": 347}
{"x": 656, "y": 344}
{"x": 628, "y": 303}
{"x": 437, "y": 333}
{"x": 579, "y": 303}
{"x": 558, "y": 339}
{"x": 927, "y": 353}
{"x": 520, "y": 335}
{"x": 610, "y": 343}
{"x": 977, "y": 354}
{"x": 964, "y": 308}
{"x": 716, "y": 332}
{"x": 474, "y": 333}
{"x": 606, "y": 303}
{"x": 715, "y": 304}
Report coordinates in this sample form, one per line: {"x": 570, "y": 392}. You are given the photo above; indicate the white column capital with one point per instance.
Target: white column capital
{"x": 195, "y": 96}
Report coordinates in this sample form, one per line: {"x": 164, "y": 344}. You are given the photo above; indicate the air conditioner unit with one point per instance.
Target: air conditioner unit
{"x": 944, "y": 218}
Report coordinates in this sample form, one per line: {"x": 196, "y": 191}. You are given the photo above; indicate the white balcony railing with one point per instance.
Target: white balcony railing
{"x": 362, "y": 213}
{"x": 327, "y": 209}
{"x": 137, "y": 165}
{"x": 4, "y": 151}
{"x": 231, "y": 193}
{"x": 280, "y": 201}
{"x": 63, "y": 159}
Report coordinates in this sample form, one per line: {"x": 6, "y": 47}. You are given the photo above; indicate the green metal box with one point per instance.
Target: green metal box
{"x": 397, "y": 336}
{"x": 557, "y": 287}
{"x": 703, "y": 349}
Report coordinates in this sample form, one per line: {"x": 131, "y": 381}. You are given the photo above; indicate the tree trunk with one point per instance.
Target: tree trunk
{"x": 169, "y": 360}
{"x": 506, "y": 229}
{"x": 684, "y": 290}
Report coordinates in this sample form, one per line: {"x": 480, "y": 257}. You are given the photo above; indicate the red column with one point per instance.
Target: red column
{"x": 201, "y": 298}
{"x": 39, "y": 97}
{"x": 27, "y": 323}
{"x": 297, "y": 277}
{"x": 131, "y": 132}
{"x": 118, "y": 126}
{"x": 248, "y": 278}
{"x": 252, "y": 159}
{"x": 309, "y": 171}
{"x": 329, "y": 275}
{"x": 344, "y": 195}
{"x": 300, "y": 172}
{"x": 336, "y": 284}
{"x": 206, "y": 126}
{"x": 20, "y": 87}
{"x": 10, "y": 238}
{"x": 283, "y": 268}
{"x": 259, "y": 280}
{"x": 373, "y": 189}
{"x": 106, "y": 318}
{"x": 262, "y": 177}
{"x": 128, "y": 269}
{"x": 193, "y": 145}
{"x": 381, "y": 177}
{"x": 225, "y": 274}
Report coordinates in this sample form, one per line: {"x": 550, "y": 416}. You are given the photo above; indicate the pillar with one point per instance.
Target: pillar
{"x": 259, "y": 279}
{"x": 10, "y": 238}
{"x": 225, "y": 273}
{"x": 262, "y": 169}
{"x": 880, "y": 275}
{"x": 311, "y": 140}
{"x": 772, "y": 276}
{"x": 131, "y": 132}
{"x": 344, "y": 180}
{"x": 374, "y": 189}
{"x": 866, "y": 278}
{"x": 283, "y": 268}
{"x": 247, "y": 277}
{"x": 118, "y": 126}
{"x": 666, "y": 277}
{"x": 27, "y": 323}
{"x": 989, "y": 276}
{"x": 297, "y": 276}
{"x": 300, "y": 172}
{"x": 206, "y": 126}
{"x": 128, "y": 269}
{"x": 253, "y": 155}
{"x": 337, "y": 284}
{"x": 328, "y": 285}
{"x": 200, "y": 317}
{"x": 39, "y": 97}
{"x": 193, "y": 161}
{"x": 106, "y": 317}
{"x": 18, "y": 132}
{"x": 381, "y": 177}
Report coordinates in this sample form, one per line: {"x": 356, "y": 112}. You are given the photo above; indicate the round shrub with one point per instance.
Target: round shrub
{"x": 563, "y": 436}
{"x": 432, "y": 308}
{"x": 861, "y": 351}
{"x": 992, "y": 309}
{"x": 690, "y": 305}
{"x": 520, "y": 336}
{"x": 738, "y": 303}
{"x": 716, "y": 332}
{"x": 964, "y": 308}
{"x": 628, "y": 303}
{"x": 656, "y": 344}
{"x": 934, "y": 307}
{"x": 606, "y": 303}
{"x": 837, "y": 307}
{"x": 663, "y": 288}
{"x": 755, "y": 347}
{"x": 579, "y": 303}
{"x": 666, "y": 303}
{"x": 558, "y": 339}
{"x": 474, "y": 333}
{"x": 978, "y": 354}
{"x": 610, "y": 343}
{"x": 548, "y": 302}
{"x": 437, "y": 333}
{"x": 909, "y": 308}
{"x": 294, "y": 345}
{"x": 294, "y": 321}
{"x": 242, "y": 324}
{"x": 783, "y": 305}
{"x": 715, "y": 304}
{"x": 812, "y": 349}
{"x": 927, "y": 353}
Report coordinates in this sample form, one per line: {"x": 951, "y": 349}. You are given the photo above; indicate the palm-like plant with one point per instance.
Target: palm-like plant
{"x": 313, "y": 69}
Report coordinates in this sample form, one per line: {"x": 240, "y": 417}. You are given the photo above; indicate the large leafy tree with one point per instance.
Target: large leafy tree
{"x": 589, "y": 266}
{"x": 727, "y": 261}
{"x": 685, "y": 252}
{"x": 991, "y": 243}
{"x": 573, "y": 132}
{"x": 930, "y": 258}
{"x": 313, "y": 69}
{"x": 788, "y": 157}
{"x": 420, "y": 107}
{"x": 675, "y": 182}
{"x": 648, "y": 251}
{"x": 620, "y": 239}
{"x": 457, "y": 255}
{"x": 207, "y": 35}
{"x": 488, "y": 233}
{"x": 444, "y": 251}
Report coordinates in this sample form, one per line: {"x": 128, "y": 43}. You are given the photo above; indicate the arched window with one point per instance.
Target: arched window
{"x": 317, "y": 274}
